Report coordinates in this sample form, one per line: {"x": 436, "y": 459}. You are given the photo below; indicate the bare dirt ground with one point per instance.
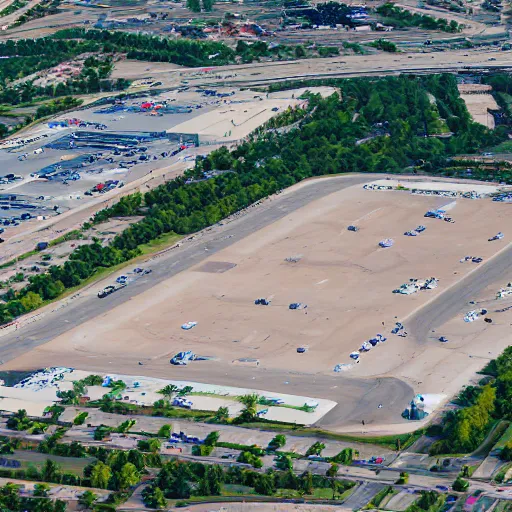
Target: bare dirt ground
{"x": 478, "y": 103}
{"x": 131, "y": 69}
{"x": 344, "y": 277}
{"x": 234, "y": 121}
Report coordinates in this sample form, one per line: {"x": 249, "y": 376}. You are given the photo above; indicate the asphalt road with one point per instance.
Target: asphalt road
{"x": 362, "y": 495}
{"x": 455, "y": 299}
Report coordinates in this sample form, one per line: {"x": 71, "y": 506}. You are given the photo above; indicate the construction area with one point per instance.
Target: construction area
{"x": 325, "y": 291}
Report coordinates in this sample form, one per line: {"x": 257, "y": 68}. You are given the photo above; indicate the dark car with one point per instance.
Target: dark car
{"x": 353, "y": 228}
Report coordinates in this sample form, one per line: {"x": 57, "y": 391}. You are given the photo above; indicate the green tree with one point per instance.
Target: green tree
{"x": 345, "y": 457}
{"x": 154, "y": 445}
{"x": 100, "y": 475}
{"x": 277, "y": 442}
{"x": 300, "y": 53}
{"x": 168, "y": 391}
{"x": 211, "y": 439}
{"x": 179, "y": 487}
{"x": 9, "y": 497}
{"x": 87, "y": 499}
{"x": 194, "y": 5}
{"x": 128, "y": 476}
{"x": 265, "y": 484}
{"x": 315, "y": 449}
{"x": 208, "y": 5}
{"x": 165, "y": 431}
{"x": 427, "y": 499}
{"x": 306, "y": 482}
{"x": 460, "y": 485}
{"x": 31, "y": 301}
{"x": 250, "y": 403}
{"x": 284, "y": 462}
{"x": 185, "y": 390}
{"x": 215, "y": 476}
{"x": 50, "y": 471}
{"x": 41, "y": 490}
{"x": 332, "y": 471}
{"x": 403, "y": 479}
{"x": 506, "y": 452}
{"x": 203, "y": 488}
{"x": 153, "y": 497}
{"x": 249, "y": 458}
{"x": 222, "y": 415}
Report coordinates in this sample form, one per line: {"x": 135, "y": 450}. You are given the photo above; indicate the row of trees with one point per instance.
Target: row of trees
{"x": 13, "y": 7}
{"x": 40, "y": 10}
{"x": 403, "y": 18}
{"x": 115, "y": 470}
{"x": 141, "y": 46}
{"x": 325, "y": 144}
{"x": 181, "y": 480}
{"x": 195, "y": 5}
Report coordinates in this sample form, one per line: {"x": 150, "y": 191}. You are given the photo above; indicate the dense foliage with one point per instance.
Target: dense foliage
{"x": 403, "y": 18}
{"x": 13, "y": 7}
{"x": 185, "y": 52}
{"x": 384, "y": 45}
{"x": 181, "y": 480}
{"x": 12, "y": 501}
{"x": 331, "y": 13}
{"x": 195, "y": 5}
{"x": 396, "y": 119}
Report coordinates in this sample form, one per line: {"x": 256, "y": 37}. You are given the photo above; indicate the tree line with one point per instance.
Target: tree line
{"x": 185, "y": 52}
{"x": 12, "y": 501}
{"x": 403, "y": 18}
{"x": 326, "y": 143}
{"x": 182, "y": 480}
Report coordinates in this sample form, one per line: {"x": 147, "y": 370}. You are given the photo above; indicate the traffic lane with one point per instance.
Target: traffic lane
{"x": 362, "y": 495}
{"x": 455, "y": 299}
{"x": 381, "y": 400}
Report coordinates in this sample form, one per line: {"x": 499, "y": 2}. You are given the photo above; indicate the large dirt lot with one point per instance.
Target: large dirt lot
{"x": 478, "y": 102}
{"x": 345, "y": 279}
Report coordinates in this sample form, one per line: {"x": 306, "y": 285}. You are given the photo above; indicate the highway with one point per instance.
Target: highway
{"x": 381, "y": 64}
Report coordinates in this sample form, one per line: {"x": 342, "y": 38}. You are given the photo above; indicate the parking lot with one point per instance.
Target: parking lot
{"x": 63, "y": 163}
